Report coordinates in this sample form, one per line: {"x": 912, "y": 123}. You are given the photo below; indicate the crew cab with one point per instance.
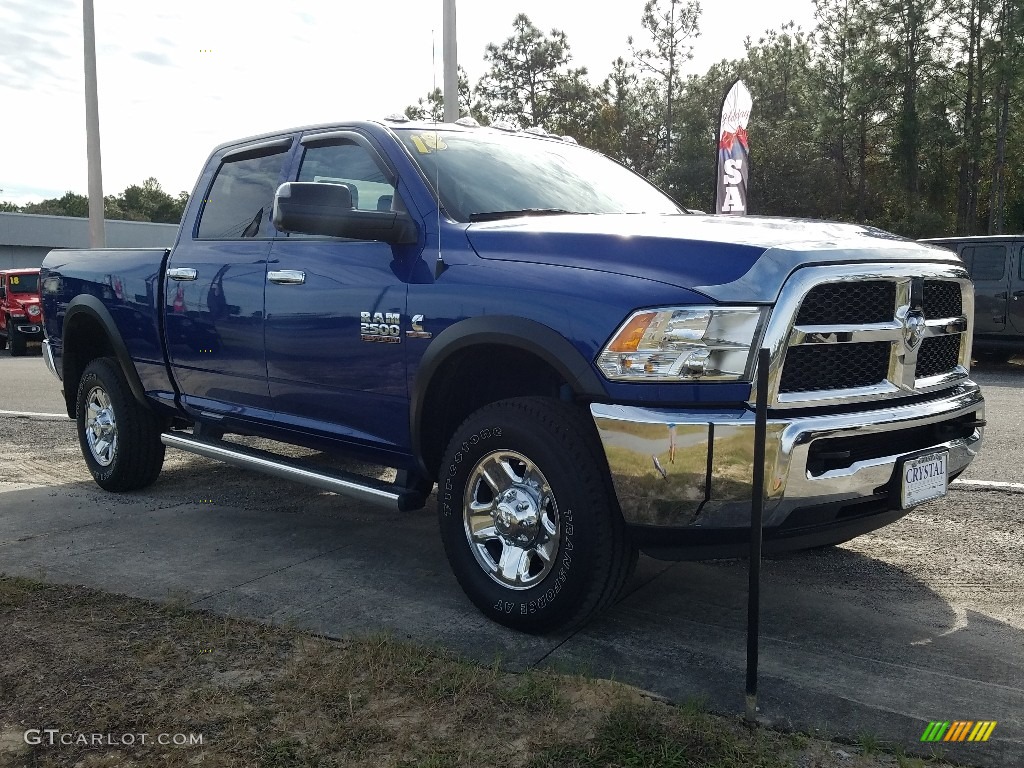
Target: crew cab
{"x": 562, "y": 350}
{"x": 20, "y": 309}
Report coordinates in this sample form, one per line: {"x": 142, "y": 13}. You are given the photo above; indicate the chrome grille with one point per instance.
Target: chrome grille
{"x": 872, "y": 332}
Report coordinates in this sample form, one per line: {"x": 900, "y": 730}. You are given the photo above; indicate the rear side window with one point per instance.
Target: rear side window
{"x": 241, "y": 199}
{"x": 985, "y": 262}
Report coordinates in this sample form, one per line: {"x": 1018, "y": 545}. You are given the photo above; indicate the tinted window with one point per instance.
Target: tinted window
{"x": 241, "y": 199}
{"x": 351, "y": 165}
{"x": 985, "y": 262}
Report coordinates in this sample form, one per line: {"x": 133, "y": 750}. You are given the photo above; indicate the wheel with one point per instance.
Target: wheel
{"x": 528, "y": 516}
{"x": 120, "y": 438}
{"x": 16, "y": 340}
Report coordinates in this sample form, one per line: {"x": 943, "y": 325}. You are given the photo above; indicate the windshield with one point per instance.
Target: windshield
{"x": 484, "y": 172}
{"x": 24, "y": 283}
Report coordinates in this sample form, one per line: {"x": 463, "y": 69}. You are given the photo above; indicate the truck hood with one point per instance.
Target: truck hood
{"x": 727, "y": 258}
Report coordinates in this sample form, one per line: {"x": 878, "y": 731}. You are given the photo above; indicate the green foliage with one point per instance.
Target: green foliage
{"x": 136, "y": 203}
{"x": 529, "y": 81}
{"x": 903, "y": 114}
{"x": 670, "y": 29}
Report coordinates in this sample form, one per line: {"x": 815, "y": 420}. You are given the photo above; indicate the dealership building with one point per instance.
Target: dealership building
{"x": 26, "y": 238}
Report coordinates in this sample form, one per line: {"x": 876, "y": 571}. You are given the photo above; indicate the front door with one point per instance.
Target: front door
{"x": 334, "y": 310}
{"x": 987, "y": 265}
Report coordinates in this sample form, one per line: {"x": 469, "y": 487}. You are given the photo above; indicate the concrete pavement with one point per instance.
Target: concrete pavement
{"x": 850, "y": 644}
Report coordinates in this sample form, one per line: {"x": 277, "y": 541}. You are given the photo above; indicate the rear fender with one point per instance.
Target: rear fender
{"x": 81, "y": 309}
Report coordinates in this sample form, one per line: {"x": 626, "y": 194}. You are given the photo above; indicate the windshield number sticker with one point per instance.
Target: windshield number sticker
{"x": 426, "y": 143}
{"x": 15, "y": 279}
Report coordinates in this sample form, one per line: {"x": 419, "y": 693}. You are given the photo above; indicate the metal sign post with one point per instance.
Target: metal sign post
{"x": 97, "y": 236}
{"x": 756, "y": 514}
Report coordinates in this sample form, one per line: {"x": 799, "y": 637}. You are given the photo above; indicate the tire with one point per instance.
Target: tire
{"x": 16, "y": 341}
{"x": 540, "y": 559}
{"x": 120, "y": 438}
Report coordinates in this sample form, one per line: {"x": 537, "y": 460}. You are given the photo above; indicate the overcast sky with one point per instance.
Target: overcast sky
{"x": 177, "y": 78}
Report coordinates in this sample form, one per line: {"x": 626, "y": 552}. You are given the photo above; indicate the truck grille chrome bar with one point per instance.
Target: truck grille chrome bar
{"x": 887, "y": 331}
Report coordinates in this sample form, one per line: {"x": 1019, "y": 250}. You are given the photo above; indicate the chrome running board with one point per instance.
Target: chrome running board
{"x": 366, "y": 489}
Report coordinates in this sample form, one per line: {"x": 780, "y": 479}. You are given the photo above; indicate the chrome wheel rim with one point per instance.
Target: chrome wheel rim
{"x": 511, "y": 520}
{"x": 100, "y": 426}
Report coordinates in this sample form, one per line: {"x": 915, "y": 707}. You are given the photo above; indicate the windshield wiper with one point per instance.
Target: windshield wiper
{"x": 498, "y": 215}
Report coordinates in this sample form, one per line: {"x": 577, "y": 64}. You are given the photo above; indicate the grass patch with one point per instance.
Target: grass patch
{"x": 87, "y": 662}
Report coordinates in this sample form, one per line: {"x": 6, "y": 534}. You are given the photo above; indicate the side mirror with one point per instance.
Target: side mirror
{"x": 315, "y": 208}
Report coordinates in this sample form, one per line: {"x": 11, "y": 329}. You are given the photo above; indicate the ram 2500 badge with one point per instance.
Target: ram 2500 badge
{"x": 552, "y": 341}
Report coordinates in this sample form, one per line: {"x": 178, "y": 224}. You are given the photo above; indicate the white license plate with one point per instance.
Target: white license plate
{"x": 924, "y": 478}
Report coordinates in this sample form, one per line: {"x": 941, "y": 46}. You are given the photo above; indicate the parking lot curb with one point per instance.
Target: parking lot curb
{"x": 36, "y": 416}
{"x": 988, "y": 485}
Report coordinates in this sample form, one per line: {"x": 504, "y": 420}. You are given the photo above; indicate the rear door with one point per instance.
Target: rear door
{"x": 214, "y": 290}
{"x": 988, "y": 266}
{"x": 335, "y": 309}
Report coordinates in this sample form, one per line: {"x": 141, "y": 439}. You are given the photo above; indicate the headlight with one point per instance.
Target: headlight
{"x": 33, "y": 310}
{"x": 684, "y": 344}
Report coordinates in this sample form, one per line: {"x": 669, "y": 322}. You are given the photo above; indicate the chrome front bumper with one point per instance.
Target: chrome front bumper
{"x": 693, "y": 470}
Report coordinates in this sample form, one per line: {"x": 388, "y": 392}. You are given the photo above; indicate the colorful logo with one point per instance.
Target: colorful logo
{"x": 958, "y": 730}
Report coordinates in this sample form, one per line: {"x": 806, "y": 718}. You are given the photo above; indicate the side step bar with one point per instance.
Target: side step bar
{"x": 387, "y": 495}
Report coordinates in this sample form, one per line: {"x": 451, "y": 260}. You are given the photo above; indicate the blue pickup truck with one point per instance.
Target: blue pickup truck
{"x": 558, "y": 346}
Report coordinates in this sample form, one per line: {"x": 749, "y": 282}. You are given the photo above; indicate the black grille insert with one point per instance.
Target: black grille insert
{"x": 812, "y": 367}
{"x": 938, "y": 354}
{"x": 842, "y": 452}
{"x": 942, "y": 299}
{"x": 867, "y": 301}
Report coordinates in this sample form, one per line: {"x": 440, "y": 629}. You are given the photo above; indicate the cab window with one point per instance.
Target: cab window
{"x": 350, "y": 164}
{"x": 985, "y": 262}
{"x": 240, "y": 202}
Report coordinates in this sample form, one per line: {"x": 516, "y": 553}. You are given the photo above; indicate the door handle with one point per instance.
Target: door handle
{"x": 287, "y": 277}
{"x": 182, "y": 273}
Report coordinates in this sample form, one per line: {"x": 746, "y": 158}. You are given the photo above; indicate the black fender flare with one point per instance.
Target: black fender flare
{"x": 503, "y": 330}
{"x": 89, "y": 306}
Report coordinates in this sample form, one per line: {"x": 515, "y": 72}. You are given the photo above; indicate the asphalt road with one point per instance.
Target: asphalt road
{"x": 923, "y": 620}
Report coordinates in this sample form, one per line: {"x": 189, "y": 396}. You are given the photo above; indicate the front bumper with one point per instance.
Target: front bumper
{"x": 691, "y": 473}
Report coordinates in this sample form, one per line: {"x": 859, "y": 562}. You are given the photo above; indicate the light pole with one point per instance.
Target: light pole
{"x": 97, "y": 236}
{"x": 451, "y": 65}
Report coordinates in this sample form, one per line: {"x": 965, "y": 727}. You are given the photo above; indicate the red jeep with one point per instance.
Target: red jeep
{"x": 21, "y": 317}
